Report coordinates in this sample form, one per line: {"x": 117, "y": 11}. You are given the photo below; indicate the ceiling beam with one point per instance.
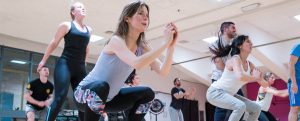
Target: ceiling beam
{"x": 270, "y": 65}
{"x": 190, "y": 73}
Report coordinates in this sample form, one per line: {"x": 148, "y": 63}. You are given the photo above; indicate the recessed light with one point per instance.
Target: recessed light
{"x": 95, "y": 38}
{"x": 18, "y": 62}
{"x": 297, "y": 17}
{"x": 210, "y": 39}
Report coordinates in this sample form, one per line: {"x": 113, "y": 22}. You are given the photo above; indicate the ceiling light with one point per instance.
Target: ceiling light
{"x": 18, "y": 62}
{"x": 95, "y": 38}
{"x": 297, "y": 17}
{"x": 210, "y": 39}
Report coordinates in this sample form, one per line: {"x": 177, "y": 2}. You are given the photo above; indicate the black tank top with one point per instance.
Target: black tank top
{"x": 75, "y": 44}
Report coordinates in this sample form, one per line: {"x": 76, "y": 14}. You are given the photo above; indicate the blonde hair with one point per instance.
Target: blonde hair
{"x": 72, "y": 8}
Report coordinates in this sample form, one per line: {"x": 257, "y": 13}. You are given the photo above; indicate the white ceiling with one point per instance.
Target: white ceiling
{"x": 37, "y": 21}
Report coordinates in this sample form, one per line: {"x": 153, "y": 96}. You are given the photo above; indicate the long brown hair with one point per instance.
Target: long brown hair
{"x": 128, "y": 11}
{"x": 232, "y": 49}
{"x": 219, "y": 48}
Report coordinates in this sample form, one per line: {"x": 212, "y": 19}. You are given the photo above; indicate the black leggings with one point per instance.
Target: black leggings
{"x": 269, "y": 115}
{"x": 127, "y": 98}
{"x": 66, "y": 72}
{"x": 126, "y": 114}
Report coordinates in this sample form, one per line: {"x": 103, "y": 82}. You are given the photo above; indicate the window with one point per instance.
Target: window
{"x": 15, "y": 71}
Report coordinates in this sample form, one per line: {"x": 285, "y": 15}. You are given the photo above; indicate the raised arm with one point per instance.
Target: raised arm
{"x": 118, "y": 46}
{"x": 164, "y": 68}
{"x": 255, "y": 73}
{"x": 61, "y": 32}
{"x": 159, "y": 67}
{"x": 261, "y": 81}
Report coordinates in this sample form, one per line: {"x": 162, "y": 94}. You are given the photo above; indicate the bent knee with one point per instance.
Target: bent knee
{"x": 99, "y": 87}
{"x": 257, "y": 108}
{"x": 30, "y": 115}
{"x": 241, "y": 107}
{"x": 149, "y": 93}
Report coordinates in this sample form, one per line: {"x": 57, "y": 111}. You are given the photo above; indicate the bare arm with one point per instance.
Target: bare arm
{"x": 30, "y": 99}
{"x": 49, "y": 100}
{"x": 87, "y": 52}
{"x": 61, "y": 32}
{"x": 293, "y": 61}
{"x": 237, "y": 68}
{"x": 182, "y": 94}
{"x": 88, "y": 46}
{"x": 261, "y": 89}
{"x": 162, "y": 68}
{"x": 187, "y": 95}
{"x": 179, "y": 96}
{"x": 261, "y": 81}
{"x": 219, "y": 63}
{"x": 280, "y": 93}
{"x": 118, "y": 46}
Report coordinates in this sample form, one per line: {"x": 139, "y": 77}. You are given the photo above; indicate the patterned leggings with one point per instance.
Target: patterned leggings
{"x": 93, "y": 97}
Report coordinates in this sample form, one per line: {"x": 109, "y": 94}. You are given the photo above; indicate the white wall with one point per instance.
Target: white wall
{"x": 34, "y": 46}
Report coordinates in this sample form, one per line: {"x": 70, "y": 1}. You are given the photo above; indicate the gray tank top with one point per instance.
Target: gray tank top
{"x": 110, "y": 68}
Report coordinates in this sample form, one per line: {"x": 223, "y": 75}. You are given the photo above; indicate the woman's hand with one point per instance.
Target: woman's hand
{"x": 175, "y": 35}
{"x": 170, "y": 34}
{"x": 257, "y": 74}
{"x": 40, "y": 66}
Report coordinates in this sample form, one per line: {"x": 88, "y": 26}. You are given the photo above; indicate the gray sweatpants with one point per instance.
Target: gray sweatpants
{"x": 175, "y": 114}
{"x": 237, "y": 103}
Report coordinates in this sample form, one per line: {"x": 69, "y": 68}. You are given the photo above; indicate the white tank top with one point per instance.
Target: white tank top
{"x": 229, "y": 82}
{"x": 264, "y": 100}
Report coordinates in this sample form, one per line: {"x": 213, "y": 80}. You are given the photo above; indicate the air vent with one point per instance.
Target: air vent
{"x": 183, "y": 41}
{"x": 109, "y": 32}
{"x": 250, "y": 7}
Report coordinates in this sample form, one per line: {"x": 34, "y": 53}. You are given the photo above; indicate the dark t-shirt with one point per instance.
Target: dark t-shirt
{"x": 40, "y": 91}
{"x": 176, "y": 103}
